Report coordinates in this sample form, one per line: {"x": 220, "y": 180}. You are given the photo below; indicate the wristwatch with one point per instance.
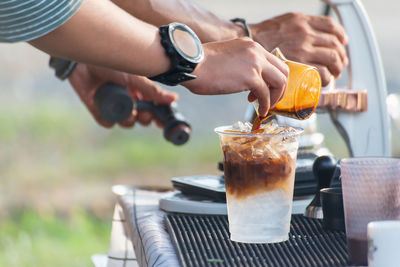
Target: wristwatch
{"x": 184, "y": 49}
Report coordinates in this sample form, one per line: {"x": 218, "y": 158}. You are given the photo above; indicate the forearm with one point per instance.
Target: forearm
{"x": 100, "y": 33}
{"x": 207, "y": 26}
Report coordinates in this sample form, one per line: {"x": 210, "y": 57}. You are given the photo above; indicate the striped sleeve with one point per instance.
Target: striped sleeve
{"x": 24, "y": 20}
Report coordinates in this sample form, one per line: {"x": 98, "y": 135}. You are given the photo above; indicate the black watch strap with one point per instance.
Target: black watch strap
{"x": 173, "y": 78}
{"x": 180, "y": 68}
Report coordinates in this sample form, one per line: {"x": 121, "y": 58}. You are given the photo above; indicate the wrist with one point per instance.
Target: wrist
{"x": 194, "y": 83}
{"x": 254, "y": 30}
{"x": 184, "y": 50}
{"x": 160, "y": 59}
{"x": 237, "y": 31}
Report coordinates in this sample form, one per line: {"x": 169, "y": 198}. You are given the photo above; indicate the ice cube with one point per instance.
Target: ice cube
{"x": 270, "y": 127}
{"x": 241, "y": 127}
{"x": 257, "y": 153}
{"x": 248, "y": 125}
{"x": 271, "y": 151}
{"x": 233, "y": 156}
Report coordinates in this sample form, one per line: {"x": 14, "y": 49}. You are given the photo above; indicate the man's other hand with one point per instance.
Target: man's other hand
{"x": 86, "y": 79}
{"x": 313, "y": 40}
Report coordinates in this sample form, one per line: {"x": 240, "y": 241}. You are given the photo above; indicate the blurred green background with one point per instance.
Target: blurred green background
{"x": 57, "y": 166}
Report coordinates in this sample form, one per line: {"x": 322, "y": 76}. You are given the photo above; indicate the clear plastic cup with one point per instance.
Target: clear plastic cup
{"x": 371, "y": 192}
{"x": 259, "y": 177}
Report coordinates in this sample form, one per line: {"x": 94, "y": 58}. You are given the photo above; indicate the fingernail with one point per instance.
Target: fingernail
{"x": 262, "y": 112}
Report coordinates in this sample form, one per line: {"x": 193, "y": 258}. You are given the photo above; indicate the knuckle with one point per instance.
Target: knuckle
{"x": 330, "y": 23}
{"x": 285, "y": 80}
{"x": 295, "y": 15}
{"x": 285, "y": 71}
{"x": 254, "y": 55}
{"x": 330, "y": 40}
{"x": 303, "y": 32}
{"x": 334, "y": 57}
{"x": 249, "y": 45}
{"x": 335, "y": 43}
{"x": 254, "y": 81}
{"x": 282, "y": 82}
{"x": 253, "y": 58}
{"x": 303, "y": 49}
{"x": 252, "y": 45}
{"x": 247, "y": 39}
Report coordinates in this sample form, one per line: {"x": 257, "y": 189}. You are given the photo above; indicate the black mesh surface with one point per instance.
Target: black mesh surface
{"x": 203, "y": 240}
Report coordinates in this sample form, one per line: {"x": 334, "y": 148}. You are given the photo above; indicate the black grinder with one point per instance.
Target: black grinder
{"x": 115, "y": 104}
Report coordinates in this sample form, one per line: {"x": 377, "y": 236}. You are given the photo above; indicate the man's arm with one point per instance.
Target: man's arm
{"x": 100, "y": 33}
{"x": 207, "y": 25}
{"x": 314, "y": 40}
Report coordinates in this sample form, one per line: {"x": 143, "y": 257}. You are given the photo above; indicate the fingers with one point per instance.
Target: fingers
{"x": 143, "y": 117}
{"x": 271, "y": 87}
{"x": 277, "y": 83}
{"x": 331, "y": 41}
{"x": 329, "y": 58}
{"x": 277, "y": 63}
{"x": 276, "y": 76}
{"x": 129, "y": 122}
{"x": 261, "y": 91}
{"x": 142, "y": 88}
{"x": 326, "y": 76}
{"x": 90, "y": 106}
{"x": 150, "y": 90}
{"x": 328, "y": 25}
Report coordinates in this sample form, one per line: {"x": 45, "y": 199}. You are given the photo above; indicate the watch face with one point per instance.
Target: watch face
{"x": 186, "y": 42}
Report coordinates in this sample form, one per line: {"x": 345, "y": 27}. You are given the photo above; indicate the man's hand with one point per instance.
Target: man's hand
{"x": 313, "y": 40}
{"x": 241, "y": 65}
{"x": 86, "y": 79}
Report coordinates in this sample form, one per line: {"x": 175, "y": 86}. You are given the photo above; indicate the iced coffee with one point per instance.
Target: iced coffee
{"x": 259, "y": 176}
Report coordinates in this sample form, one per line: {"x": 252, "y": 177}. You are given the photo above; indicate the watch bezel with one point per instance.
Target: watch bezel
{"x": 200, "y": 55}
